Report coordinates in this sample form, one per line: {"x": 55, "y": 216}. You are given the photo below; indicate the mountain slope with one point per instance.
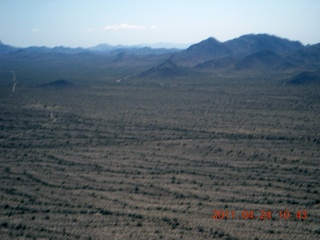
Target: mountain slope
{"x": 264, "y": 60}
{"x": 7, "y": 48}
{"x": 308, "y": 56}
{"x": 218, "y": 63}
{"x": 200, "y": 52}
{"x": 165, "y": 69}
{"x": 252, "y": 43}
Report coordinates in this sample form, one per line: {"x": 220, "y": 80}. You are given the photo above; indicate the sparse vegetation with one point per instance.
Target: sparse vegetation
{"x": 152, "y": 158}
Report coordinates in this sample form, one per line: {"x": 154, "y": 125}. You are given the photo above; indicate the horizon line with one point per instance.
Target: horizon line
{"x": 151, "y": 45}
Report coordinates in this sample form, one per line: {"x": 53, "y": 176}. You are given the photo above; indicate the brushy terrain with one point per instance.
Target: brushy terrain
{"x": 110, "y": 157}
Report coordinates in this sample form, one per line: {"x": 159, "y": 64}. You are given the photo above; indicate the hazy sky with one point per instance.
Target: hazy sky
{"x": 86, "y": 23}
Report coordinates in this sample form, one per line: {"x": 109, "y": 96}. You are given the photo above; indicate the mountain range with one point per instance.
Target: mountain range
{"x": 243, "y": 46}
{"x": 251, "y": 52}
{"x": 99, "y": 49}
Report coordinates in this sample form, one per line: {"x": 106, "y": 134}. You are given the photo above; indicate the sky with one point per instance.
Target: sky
{"x": 87, "y": 23}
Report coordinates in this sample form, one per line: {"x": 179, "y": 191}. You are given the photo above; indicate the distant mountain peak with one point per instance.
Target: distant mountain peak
{"x": 208, "y": 43}
{"x": 201, "y": 52}
{"x": 210, "y": 40}
{"x": 251, "y": 43}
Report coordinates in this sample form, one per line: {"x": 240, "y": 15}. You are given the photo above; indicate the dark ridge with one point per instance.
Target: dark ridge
{"x": 59, "y": 84}
{"x": 165, "y": 69}
{"x": 264, "y": 60}
{"x": 305, "y": 77}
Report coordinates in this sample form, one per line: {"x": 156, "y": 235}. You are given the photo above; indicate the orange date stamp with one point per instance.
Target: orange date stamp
{"x": 262, "y": 215}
